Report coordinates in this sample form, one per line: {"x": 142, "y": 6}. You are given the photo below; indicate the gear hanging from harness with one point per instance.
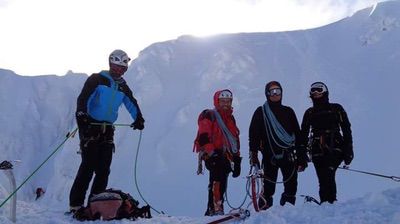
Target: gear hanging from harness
{"x": 325, "y": 138}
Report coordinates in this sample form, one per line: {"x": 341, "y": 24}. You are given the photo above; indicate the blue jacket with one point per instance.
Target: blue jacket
{"x": 102, "y": 96}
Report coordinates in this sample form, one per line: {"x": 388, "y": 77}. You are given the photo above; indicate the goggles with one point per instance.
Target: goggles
{"x": 274, "y": 92}
{"x": 225, "y": 94}
{"x": 318, "y": 88}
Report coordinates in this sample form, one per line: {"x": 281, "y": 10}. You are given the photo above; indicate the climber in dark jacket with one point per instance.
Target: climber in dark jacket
{"x": 326, "y": 129}
{"x": 97, "y": 110}
{"x": 274, "y": 130}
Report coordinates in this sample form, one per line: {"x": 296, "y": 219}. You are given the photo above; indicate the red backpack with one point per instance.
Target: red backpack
{"x": 196, "y": 145}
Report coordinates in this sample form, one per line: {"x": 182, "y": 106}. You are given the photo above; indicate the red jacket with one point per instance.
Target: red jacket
{"x": 210, "y": 136}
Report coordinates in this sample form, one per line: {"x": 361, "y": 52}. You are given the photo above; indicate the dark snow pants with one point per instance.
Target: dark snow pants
{"x": 325, "y": 167}
{"x": 289, "y": 174}
{"x": 219, "y": 167}
{"x": 97, "y": 148}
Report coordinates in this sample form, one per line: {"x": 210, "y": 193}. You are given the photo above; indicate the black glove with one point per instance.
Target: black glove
{"x": 138, "y": 124}
{"x": 302, "y": 158}
{"x": 82, "y": 118}
{"x": 302, "y": 163}
{"x": 237, "y": 160}
{"x": 254, "y": 159}
{"x": 348, "y": 154}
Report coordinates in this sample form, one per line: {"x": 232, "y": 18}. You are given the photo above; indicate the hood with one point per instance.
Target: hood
{"x": 267, "y": 86}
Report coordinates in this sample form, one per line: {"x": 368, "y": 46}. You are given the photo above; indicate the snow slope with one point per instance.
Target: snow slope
{"x": 174, "y": 81}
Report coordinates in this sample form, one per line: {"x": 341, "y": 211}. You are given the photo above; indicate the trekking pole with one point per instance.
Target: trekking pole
{"x": 69, "y": 135}
{"x": 397, "y": 179}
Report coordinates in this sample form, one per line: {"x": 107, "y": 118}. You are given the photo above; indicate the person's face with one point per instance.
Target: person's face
{"x": 225, "y": 103}
{"x": 117, "y": 70}
{"x": 275, "y": 93}
{"x": 316, "y": 93}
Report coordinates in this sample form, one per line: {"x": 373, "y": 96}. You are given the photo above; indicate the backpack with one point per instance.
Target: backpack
{"x": 112, "y": 204}
{"x": 205, "y": 113}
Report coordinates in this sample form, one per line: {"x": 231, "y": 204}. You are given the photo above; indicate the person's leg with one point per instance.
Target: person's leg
{"x": 83, "y": 176}
{"x": 270, "y": 177}
{"x": 102, "y": 167}
{"x": 324, "y": 178}
{"x": 289, "y": 173}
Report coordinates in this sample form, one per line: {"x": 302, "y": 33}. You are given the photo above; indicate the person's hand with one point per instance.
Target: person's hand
{"x": 237, "y": 160}
{"x": 302, "y": 167}
{"x": 302, "y": 161}
{"x": 254, "y": 159}
{"x": 348, "y": 155}
{"x": 138, "y": 124}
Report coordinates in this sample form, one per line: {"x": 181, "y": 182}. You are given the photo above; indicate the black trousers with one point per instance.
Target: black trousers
{"x": 96, "y": 152}
{"x": 219, "y": 167}
{"x": 325, "y": 167}
{"x": 289, "y": 174}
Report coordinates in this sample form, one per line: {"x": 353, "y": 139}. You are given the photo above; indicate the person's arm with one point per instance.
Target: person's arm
{"x": 347, "y": 135}
{"x": 305, "y": 128}
{"x": 131, "y": 104}
{"x": 88, "y": 89}
{"x": 301, "y": 150}
{"x": 255, "y": 136}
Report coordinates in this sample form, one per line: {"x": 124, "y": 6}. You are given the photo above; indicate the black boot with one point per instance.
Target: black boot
{"x": 264, "y": 204}
{"x": 287, "y": 198}
{"x": 209, "y": 212}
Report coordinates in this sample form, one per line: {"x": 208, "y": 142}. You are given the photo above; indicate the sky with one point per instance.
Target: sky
{"x": 55, "y": 36}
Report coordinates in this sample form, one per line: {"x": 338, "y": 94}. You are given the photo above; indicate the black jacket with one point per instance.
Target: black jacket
{"x": 328, "y": 119}
{"x": 258, "y": 139}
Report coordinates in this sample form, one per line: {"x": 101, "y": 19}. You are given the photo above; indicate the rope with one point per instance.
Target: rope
{"x": 228, "y": 135}
{"x": 245, "y": 197}
{"x": 135, "y": 175}
{"x": 136, "y": 162}
{"x": 270, "y": 120}
{"x": 69, "y": 135}
{"x": 287, "y": 140}
{"x": 280, "y": 182}
{"x": 397, "y": 179}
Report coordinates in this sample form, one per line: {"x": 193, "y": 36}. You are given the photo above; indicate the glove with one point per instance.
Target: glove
{"x": 348, "y": 158}
{"x": 254, "y": 159}
{"x": 348, "y": 155}
{"x": 301, "y": 165}
{"x": 138, "y": 124}
{"x": 302, "y": 160}
{"x": 237, "y": 160}
{"x": 82, "y": 118}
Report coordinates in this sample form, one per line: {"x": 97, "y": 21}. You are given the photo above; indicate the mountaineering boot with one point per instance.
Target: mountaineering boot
{"x": 287, "y": 198}
{"x": 217, "y": 198}
{"x": 264, "y": 204}
{"x": 74, "y": 209}
{"x": 209, "y": 212}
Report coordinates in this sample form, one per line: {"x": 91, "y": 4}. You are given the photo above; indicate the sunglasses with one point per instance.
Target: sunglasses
{"x": 274, "y": 92}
